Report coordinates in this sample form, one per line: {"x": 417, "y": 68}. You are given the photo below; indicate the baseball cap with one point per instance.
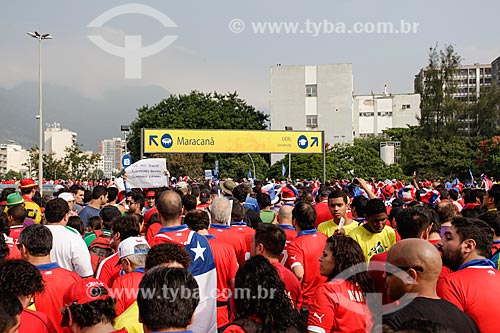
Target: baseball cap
{"x": 182, "y": 185}
{"x": 150, "y": 194}
{"x": 66, "y": 196}
{"x": 84, "y": 291}
{"x": 216, "y": 190}
{"x": 128, "y": 247}
{"x": 204, "y": 196}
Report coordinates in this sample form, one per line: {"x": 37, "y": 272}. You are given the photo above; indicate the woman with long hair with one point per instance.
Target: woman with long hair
{"x": 339, "y": 305}
{"x": 261, "y": 302}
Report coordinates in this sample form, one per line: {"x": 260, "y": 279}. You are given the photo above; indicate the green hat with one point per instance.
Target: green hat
{"x": 14, "y": 199}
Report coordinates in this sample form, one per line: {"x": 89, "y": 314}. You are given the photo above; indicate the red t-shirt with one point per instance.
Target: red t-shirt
{"x": 339, "y": 306}
{"x": 305, "y": 250}
{"x": 14, "y": 252}
{"x": 323, "y": 213}
{"x": 125, "y": 289}
{"x": 15, "y": 231}
{"x": 56, "y": 280}
{"x": 292, "y": 284}
{"x": 108, "y": 271}
{"x": 35, "y": 321}
{"x": 243, "y": 229}
{"x": 226, "y": 265}
{"x": 235, "y": 238}
{"x": 291, "y": 234}
{"x": 152, "y": 231}
{"x": 474, "y": 290}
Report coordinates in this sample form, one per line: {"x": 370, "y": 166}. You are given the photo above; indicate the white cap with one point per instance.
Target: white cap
{"x": 127, "y": 247}
{"x": 66, "y": 196}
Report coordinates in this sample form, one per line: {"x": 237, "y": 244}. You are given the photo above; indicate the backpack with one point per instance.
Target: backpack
{"x": 99, "y": 249}
{"x": 251, "y": 326}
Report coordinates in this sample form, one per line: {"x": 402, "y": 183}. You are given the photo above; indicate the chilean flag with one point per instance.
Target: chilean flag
{"x": 431, "y": 197}
{"x": 487, "y": 183}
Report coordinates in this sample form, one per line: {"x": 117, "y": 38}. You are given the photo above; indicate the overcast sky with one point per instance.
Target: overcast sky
{"x": 209, "y": 55}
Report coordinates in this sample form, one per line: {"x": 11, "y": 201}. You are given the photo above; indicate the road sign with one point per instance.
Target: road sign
{"x": 208, "y": 174}
{"x": 231, "y": 141}
{"x": 126, "y": 160}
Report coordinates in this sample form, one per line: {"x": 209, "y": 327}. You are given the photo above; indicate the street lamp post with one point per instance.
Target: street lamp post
{"x": 251, "y": 159}
{"x": 40, "y": 114}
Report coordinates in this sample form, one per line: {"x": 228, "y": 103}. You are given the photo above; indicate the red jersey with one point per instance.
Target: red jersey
{"x": 147, "y": 218}
{"x": 153, "y": 231}
{"x": 234, "y": 237}
{"x": 56, "y": 281}
{"x": 35, "y": 321}
{"x": 305, "y": 250}
{"x": 339, "y": 306}
{"x": 292, "y": 284}
{"x": 474, "y": 290}
{"x": 14, "y": 252}
{"x": 15, "y": 231}
{"x": 291, "y": 234}
{"x": 323, "y": 213}
{"x": 226, "y": 265}
{"x": 247, "y": 233}
{"x": 125, "y": 289}
{"x": 108, "y": 271}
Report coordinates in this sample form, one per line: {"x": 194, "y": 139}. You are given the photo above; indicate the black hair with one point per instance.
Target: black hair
{"x": 108, "y": 214}
{"x": 189, "y": 202}
{"x": 87, "y": 195}
{"x": 338, "y": 194}
{"x": 305, "y": 215}
{"x": 160, "y": 311}
{"x": 20, "y": 277}
{"x": 10, "y": 308}
{"x": 138, "y": 198}
{"x": 4, "y": 224}
{"x": 348, "y": 253}
{"x": 91, "y": 313}
{"x": 4, "y": 249}
{"x": 167, "y": 252}
{"x": 197, "y": 220}
{"x": 112, "y": 194}
{"x": 237, "y": 212}
{"x": 492, "y": 218}
{"x": 272, "y": 237}
{"x": 76, "y": 223}
{"x": 359, "y": 203}
{"x": 476, "y": 229}
{"x": 453, "y": 193}
{"x": 37, "y": 239}
{"x": 494, "y": 192}
{"x": 94, "y": 222}
{"x": 240, "y": 192}
{"x": 5, "y": 193}
{"x": 55, "y": 210}
{"x": 264, "y": 200}
{"x": 276, "y": 313}
{"x": 18, "y": 213}
{"x": 470, "y": 196}
{"x": 195, "y": 190}
{"x": 75, "y": 188}
{"x": 98, "y": 191}
{"x": 413, "y": 221}
{"x": 374, "y": 207}
{"x": 127, "y": 226}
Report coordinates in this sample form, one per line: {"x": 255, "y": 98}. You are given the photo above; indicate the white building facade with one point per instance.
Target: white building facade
{"x": 111, "y": 151}
{"x": 13, "y": 157}
{"x": 57, "y": 139}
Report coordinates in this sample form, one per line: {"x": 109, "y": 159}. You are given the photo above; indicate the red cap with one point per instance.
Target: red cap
{"x": 84, "y": 291}
{"x": 287, "y": 194}
{"x": 27, "y": 183}
{"x": 150, "y": 194}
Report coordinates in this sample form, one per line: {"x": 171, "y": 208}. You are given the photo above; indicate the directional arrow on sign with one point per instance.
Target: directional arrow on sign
{"x": 314, "y": 141}
{"x": 152, "y": 139}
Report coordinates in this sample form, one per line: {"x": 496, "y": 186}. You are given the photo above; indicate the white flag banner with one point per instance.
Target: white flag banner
{"x": 148, "y": 173}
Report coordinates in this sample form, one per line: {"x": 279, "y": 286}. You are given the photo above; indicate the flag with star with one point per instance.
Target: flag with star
{"x": 203, "y": 269}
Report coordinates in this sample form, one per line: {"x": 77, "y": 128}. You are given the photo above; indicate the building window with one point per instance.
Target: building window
{"x": 312, "y": 121}
{"x": 406, "y": 106}
{"x": 312, "y": 90}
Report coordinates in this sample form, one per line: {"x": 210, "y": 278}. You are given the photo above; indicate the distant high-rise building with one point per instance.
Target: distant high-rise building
{"x": 111, "y": 151}
{"x": 495, "y": 72}
{"x": 469, "y": 79}
{"x": 13, "y": 157}
{"x": 57, "y": 139}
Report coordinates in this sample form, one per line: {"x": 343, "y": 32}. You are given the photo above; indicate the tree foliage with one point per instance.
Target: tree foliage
{"x": 52, "y": 167}
{"x": 201, "y": 111}
{"x": 11, "y": 174}
{"x": 79, "y": 163}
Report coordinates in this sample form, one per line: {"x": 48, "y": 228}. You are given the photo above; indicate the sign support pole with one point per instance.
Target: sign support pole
{"x": 324, "y": 156}
{"x": 142, "y": 143}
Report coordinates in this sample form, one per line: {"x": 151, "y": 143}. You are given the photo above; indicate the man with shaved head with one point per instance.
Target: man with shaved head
{"x": 169, "y": 205}
{"x": 413, "y": 268}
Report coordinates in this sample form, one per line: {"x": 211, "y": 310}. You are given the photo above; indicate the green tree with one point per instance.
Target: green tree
{"x": 11, "y": 174}
{"x": 199, "y": 111}
{"x": 439, "y": 111}
{"x": 52, "y": 167}
{"x": 484, "y": 114}
{"x": 78, "y": 162}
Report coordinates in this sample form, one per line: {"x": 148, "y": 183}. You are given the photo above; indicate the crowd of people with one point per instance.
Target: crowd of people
{"x": 251, "y": 256}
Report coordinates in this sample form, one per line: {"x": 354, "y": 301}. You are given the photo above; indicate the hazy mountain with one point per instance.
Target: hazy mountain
{"x": 93, "y": 120}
